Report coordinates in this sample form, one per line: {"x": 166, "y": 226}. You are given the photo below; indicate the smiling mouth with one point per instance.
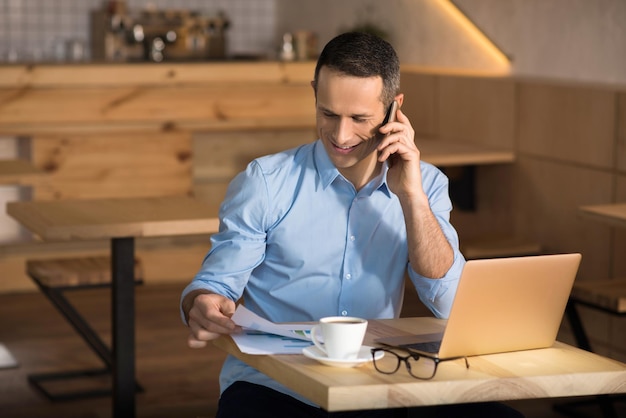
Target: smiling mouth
{"x": 345, "y": 148}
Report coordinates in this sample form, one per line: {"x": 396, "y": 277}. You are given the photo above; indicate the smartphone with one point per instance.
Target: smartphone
{"x": 389, "y": 117}
{"x": 391, "y": 113}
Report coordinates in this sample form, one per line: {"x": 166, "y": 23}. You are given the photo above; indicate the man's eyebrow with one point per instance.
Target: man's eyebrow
{"x": 325, "y": 109}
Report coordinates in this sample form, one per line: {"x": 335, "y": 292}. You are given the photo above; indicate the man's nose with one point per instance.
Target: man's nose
{"x": 343, "y": 130}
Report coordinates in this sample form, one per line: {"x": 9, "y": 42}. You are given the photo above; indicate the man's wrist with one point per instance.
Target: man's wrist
{"x": 189, "y": 299}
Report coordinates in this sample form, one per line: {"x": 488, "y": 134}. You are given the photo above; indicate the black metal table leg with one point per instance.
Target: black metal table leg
{"x": 577, "y": 326}
{"x": 123, "y": 320}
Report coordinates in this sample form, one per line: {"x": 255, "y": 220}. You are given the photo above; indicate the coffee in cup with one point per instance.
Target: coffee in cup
{"x": 342, "y": 336}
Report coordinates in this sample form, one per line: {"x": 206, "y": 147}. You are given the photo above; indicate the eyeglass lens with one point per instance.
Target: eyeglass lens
{"x": 417, "y": 366}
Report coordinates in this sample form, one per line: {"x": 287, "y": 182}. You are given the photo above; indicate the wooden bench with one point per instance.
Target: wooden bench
{"x": 608, "y": 296}
{"x": 164, "y": 259}
{"x": 19, "y": 172}
{"x": 56, "y": 276}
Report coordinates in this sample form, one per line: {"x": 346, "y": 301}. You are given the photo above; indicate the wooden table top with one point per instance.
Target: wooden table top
{"x": 559, "y": 371}
{"x": 113, "y": 218}
{"x": 446, "y": 153}
{"x": 613, "y": 214}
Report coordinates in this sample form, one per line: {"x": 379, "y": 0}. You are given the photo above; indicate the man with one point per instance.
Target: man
{"x": 328, "y": 228}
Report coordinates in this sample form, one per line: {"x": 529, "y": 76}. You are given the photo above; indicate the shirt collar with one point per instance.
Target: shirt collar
{"x": 381, "y": 181}
{"x": 328, "y": 172}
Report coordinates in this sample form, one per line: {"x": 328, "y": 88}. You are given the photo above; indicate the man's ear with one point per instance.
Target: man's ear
{"x": 399, "y": 98}
{"x": 314, "y": 85}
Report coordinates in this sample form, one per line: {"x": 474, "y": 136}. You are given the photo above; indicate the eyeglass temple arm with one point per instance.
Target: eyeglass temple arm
{"x": 466, "y": 362}
{"x": 456, "y": 358}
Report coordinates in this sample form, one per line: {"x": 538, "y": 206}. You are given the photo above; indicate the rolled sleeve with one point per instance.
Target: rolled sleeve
{"x": 438, "y": 294}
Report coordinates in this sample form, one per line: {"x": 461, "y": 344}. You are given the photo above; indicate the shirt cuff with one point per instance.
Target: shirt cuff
{"x": 438, "y": 294}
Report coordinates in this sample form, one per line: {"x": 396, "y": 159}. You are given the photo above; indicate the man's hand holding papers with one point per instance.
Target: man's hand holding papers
{"x": 261, "y": 336}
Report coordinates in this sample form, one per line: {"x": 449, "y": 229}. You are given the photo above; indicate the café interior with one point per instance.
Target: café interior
{"x": 521, "y": 104}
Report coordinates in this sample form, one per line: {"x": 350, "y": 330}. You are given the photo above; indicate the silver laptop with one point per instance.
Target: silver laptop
{"x": 502, "y": 304}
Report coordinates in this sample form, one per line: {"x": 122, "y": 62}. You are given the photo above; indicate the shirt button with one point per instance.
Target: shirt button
{"x": 352, "y": 237}
{"x": 344, "y": 313}
{"x": 348, "y": 276}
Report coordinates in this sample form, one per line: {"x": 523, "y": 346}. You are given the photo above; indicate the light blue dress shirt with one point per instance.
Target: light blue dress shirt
{"x": 298, "y": 242}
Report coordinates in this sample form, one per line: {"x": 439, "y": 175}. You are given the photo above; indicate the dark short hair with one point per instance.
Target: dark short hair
{"x": 361, "y": 54}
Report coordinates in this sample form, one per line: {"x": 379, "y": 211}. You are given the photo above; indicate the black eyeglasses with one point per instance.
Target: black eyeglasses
{"x": 419, "y": 366}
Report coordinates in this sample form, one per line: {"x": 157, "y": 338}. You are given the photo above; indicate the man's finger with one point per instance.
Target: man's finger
{"x": 192, "y": 342}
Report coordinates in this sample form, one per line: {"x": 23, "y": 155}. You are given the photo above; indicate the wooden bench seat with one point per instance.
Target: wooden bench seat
{"x": 19, "y": 172}
{"x": 608, "y": 295}
{"x": 75, "y": 272}
{"x": 165, "y": 259}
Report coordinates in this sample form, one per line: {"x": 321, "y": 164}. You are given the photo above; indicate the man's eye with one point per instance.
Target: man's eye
{"x": 358, "y": 120}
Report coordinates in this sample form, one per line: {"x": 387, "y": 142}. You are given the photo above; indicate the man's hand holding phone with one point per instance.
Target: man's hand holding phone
{"x": 397, "y": 146}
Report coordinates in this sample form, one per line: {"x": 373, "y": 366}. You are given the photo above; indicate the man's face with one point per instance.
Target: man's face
{"x": 348, "y": 114}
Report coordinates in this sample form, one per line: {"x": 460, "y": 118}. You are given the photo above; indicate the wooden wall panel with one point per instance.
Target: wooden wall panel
{"x": 546, "y": 197}
{"x": 175, "y": 263}
{"x": 619, "y": 250}
{"x": 494, "y": 214}
{"x": 477, "y": 110}
{"x": 420, "y": 102}
{"x": 211, "y": 192}
{"x": 621, "y": 134}
{"x": 114, "y": 165}
{"x": 220, "y": 156}
{"x": 569, "y": 123}
{"x": 209, "y": 104}
{"x": 94, "y": 99}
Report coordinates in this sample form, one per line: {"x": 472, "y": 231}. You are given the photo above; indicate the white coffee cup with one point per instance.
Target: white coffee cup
{"x": 342, "y": 336}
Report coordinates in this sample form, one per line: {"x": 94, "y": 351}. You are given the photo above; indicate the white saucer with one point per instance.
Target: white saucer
{"x": 364, "y": 356}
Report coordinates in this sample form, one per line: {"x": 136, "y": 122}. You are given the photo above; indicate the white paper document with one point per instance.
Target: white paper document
{"x": 261, "y": 336}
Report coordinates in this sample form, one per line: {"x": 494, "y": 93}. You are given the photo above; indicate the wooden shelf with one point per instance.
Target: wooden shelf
{"x": 19, "y": 172}
{"x": 495, "y": 247}
{"x": 446, "y": 153}
{"x": 611, "y": 214}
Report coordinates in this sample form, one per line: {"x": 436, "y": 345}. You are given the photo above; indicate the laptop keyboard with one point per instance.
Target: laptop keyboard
{"x": 427, "y": 347}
